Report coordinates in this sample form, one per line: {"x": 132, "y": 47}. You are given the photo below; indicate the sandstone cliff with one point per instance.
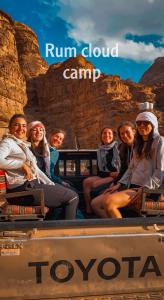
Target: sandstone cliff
{"x": 19, "y": 62}
{"x": 31, "y": 63}
{"x": 13, "y": 95}
{"x": 155, "y": 74}
{"x": 82, "y": 107}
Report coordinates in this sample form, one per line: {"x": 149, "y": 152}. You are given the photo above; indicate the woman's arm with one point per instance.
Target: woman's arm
{"x": 6, "y": 161}
{"x": 54, "y": 155}
{"x": 125, "y": 179}
{"x": 43, "y": 178}
{"x": 156, "y": 180}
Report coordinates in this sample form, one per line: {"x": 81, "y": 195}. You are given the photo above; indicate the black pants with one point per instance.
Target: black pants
{"x": 54, "y": 196}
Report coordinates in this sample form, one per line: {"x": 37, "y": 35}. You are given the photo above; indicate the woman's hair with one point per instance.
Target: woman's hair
{"x": 55, "y": 131}
{"x": 139, "y": 146}
{"x": 125, "y": 123}
{"x": 40, "y": 150}
{"x": 102, "y": 130}
{"x": 14, "y": 117}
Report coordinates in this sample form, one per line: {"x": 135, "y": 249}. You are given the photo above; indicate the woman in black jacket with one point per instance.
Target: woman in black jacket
{"x": 126, "y": 132}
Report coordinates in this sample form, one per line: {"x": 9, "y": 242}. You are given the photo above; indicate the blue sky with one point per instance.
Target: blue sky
{"x": 136, "y": 25}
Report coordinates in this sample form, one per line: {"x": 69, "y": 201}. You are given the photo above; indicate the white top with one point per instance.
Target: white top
{"x": 12, "y": 158}
{"x": 147, "y": 172}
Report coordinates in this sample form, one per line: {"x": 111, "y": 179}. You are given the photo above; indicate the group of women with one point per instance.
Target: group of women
{"x": 138, "y": 163}
{"x": 124, "y": 167}
{"x": 30, "y": 164}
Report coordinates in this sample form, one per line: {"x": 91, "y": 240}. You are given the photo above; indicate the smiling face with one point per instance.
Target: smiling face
{"x": 144, "y": 128}
{"x": 57, "y": 139}
{"x": 127, "y": 134}
{"x": 19, "y": 128}
{"x": 37, "y": 134}
{"x": 107, "y": 136}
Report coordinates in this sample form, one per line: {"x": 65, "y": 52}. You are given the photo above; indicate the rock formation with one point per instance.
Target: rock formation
{"x": 32, "y": 64}
{"x": 154, "y": 77}
{"x": 82, "y": 107}
{"x": 13, "y": 95}
{"x": 155, "y": 74}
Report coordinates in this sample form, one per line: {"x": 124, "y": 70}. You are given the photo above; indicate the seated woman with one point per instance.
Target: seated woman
{"x": 46, "y": 155}
{"x": 36, "y": 135}
{"x": 146, "y": 168}
{"x": 22, "y": 172}
{"x": 126, "y": 132}
{"x": 108, "y": 165}
{"x": 56, "y": 138}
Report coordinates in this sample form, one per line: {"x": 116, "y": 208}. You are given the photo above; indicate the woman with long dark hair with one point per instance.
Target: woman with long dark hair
{"x": 126, "y": 132}
{"x": 108, "y": 165}
{"x": 36, "y": 135}
{"x": 146, "y": 168}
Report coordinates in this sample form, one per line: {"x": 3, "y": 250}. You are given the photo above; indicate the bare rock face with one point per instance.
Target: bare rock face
{"x": 12, "y": 83}
{"x": 155, "y": 74}
{"x": 83, "y": 107}
{"x": 159, "y": 91}
{"x": 32, "y": 64}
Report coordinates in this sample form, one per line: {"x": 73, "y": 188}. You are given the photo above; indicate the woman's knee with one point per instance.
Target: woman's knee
{"x": 96, "y": 203}
{"x": 96, "y": 183}
{"x": 109, "y": 203}
{"x": 87, "y": 182}
{"x": 74, "y": 197}
{"x": 93, "y": 204}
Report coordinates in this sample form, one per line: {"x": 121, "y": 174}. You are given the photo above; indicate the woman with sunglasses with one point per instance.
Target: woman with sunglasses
{"x": 146, "y": 168}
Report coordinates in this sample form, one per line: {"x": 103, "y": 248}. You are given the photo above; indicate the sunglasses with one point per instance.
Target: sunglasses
{"x": 144, "y": 123}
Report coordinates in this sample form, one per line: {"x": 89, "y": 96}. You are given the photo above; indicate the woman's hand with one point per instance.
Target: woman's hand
{"x": 28, "y": 172}
{"x": 66, "y": 184}
{"x": 112, "y": 189}
{"x": 114, "y": 174}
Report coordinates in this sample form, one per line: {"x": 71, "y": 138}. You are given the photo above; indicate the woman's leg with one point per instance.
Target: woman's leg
{"x": 97, "y": 205}
{"x": 99, "y": 181}
{"x": 113, "y": 202}
{"x": 57, "y": 195}
{"x": 87, "y": 186}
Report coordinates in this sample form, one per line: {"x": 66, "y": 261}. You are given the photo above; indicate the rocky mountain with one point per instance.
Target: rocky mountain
{"x": 19, "y": 62}
{"x": 155, "y": 74}
{"x": 13, "y": 95}
{"x": 80, "y": 106}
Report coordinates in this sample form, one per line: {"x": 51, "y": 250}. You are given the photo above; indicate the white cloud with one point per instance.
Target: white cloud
{"x": 105, "y": 22}
{"x": 150, "y": 1}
